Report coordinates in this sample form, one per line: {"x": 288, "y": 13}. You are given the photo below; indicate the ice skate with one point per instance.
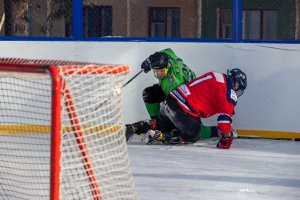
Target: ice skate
{"x": 136, "y": 128}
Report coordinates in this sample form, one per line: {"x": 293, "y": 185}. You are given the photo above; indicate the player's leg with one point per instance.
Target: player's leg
{"x": 188, "y": 125}
{"x": 152, "y": 97}
{"x": 207, "y": 132}
{"x": 138, "y": 128}
{"x": 164, "y": 130}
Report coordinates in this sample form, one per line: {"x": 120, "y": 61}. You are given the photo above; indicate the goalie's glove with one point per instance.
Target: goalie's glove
{"x": 146, "y": 65}
{"x": 225, "y": 141}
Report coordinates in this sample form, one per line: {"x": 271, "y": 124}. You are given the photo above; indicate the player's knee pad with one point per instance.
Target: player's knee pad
{"x": 153, "y": 94}
{"x": 148, "y": 96}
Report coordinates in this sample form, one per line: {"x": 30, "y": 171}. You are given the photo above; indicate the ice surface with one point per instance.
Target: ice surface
{"x": 252, "y": 169}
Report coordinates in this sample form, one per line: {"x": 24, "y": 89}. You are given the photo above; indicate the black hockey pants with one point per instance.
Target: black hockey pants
{"x": 172, "y": 116}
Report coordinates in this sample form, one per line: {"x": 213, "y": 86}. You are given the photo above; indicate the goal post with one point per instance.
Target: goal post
{"x": 61, "y": 132}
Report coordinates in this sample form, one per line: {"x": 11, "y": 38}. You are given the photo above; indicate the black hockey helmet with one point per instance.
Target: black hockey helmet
{"x": 159, "y": 60}
{"x": 238, "y": 76}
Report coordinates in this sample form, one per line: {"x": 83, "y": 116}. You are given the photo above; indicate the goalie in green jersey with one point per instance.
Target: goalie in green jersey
{"x": 171, "y": 72}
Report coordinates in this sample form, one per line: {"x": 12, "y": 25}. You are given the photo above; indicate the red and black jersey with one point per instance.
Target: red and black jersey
{"x": 206, "y": 96}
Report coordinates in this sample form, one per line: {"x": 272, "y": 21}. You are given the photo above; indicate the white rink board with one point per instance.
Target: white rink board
{"x": 269, "y": 103}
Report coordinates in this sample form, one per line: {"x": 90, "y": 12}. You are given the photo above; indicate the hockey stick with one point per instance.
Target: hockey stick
{"x": 133, "y": 78}
{"x": 2, "y": 20}
{"x": 102, "y": 103}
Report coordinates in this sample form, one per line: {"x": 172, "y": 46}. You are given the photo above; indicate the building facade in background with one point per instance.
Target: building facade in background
{"x": 262, "y": 19}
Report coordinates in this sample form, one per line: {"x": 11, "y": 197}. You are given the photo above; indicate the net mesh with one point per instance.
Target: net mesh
{"x": 94, "y": 158}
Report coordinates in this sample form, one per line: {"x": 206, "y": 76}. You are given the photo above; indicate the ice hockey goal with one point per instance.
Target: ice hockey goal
{"x": 61, "y": 133}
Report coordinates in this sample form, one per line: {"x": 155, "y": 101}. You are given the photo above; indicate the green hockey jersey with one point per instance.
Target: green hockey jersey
{"x": 178, "y": 73}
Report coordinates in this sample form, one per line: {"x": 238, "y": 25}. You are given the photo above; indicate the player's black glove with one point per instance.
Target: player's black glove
{"x": 146, "y": 65}
{"x": 225, "y": 141}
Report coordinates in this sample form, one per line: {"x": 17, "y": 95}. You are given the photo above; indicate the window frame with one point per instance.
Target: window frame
{"x": 222, "y": 26}
{"x": 100, "y": 11}
{"x": 166, "y": 22}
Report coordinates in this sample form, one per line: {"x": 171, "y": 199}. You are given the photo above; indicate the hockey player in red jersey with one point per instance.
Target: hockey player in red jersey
{"x": 210, "y": 94}
{"x": 171, "y": 72}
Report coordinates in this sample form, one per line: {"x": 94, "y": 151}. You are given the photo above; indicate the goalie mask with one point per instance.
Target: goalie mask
{"x": 160, "y": 64}
{"x": 238, "y": 79}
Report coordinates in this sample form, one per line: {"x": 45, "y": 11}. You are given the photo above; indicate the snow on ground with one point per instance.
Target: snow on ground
{"x": 252, "y": 169}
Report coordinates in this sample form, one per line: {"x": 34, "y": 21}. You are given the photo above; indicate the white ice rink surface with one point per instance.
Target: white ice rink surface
{"x": 252, "y": 169}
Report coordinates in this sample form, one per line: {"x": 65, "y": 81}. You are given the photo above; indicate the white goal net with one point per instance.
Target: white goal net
{"x": 61, "y": 132}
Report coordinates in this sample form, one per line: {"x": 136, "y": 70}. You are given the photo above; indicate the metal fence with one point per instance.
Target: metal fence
{"x": 220, "y": 20}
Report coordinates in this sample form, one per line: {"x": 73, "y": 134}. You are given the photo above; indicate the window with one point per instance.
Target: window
{"x": 97, "y": 21}
{"x": 164, "y": 22}
{"x": 225, "y": 24}
{"x": 257, "y": 24}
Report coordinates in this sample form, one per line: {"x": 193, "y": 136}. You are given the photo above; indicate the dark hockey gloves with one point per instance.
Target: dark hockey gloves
{"x": 152, "y": 137}
{"x": 146, "y": 65}
{"x": 225, "y": 141}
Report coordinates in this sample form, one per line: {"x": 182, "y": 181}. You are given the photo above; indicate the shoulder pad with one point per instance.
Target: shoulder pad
{"x": 219, "y": 77}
